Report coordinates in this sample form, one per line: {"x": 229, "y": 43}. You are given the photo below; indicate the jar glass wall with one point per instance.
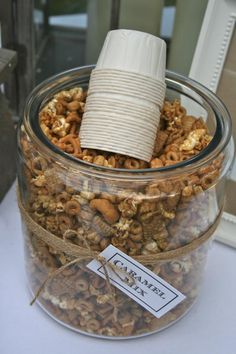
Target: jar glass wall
{"x": 70, "y": 203}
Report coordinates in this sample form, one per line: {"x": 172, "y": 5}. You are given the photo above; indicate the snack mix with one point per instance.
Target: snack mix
{"x": 143, "y": 218}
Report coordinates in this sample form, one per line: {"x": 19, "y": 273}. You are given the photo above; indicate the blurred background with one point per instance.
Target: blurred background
{"x": 54, "y": 35}
{"x": 39, "y": 38}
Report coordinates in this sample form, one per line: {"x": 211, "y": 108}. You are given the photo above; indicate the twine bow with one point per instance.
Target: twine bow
{"x": 128, "y": 279}
{"x": 85, "y": 253}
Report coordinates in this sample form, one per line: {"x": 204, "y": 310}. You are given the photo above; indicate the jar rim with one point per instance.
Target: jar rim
{"x": 56, "y": 83}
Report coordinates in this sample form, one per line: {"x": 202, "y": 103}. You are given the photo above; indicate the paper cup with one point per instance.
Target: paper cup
{"x": 125, "y": 95}
{"x": 134, "y": 51}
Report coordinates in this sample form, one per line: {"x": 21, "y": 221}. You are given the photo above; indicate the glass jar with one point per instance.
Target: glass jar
{"x": 71, "y": 207}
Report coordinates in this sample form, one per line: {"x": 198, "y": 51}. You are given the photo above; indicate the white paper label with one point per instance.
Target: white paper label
{"x": 146, "y": 288}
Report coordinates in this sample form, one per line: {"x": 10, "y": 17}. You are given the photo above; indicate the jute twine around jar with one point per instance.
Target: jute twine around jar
{"x": 81, "y": 253}
{"x": 85, "y": 253}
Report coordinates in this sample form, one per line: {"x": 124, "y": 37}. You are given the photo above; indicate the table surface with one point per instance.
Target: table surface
{"x": 209, "y": 328}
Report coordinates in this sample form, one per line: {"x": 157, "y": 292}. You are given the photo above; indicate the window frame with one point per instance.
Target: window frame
{"x": 207, "y": 65}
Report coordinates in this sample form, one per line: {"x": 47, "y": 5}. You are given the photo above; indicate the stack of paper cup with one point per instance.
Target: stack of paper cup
{"x": 126, "y": 92}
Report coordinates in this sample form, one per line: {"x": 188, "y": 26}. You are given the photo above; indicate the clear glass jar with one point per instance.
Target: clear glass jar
{"x": 146, "y": 212}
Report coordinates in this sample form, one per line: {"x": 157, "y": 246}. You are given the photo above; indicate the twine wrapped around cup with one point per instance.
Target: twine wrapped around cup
{"x": 126, "y": 92}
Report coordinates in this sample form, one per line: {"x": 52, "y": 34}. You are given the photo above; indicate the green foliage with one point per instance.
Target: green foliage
{"x": 170, "y": 2}
{"x": 60, "y": 7}
{"x": 63, "y": 7}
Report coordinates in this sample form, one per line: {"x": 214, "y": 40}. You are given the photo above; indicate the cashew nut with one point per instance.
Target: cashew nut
{"x": 106, "y": 208}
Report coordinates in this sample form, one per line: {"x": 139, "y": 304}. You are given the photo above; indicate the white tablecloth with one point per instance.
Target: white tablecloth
{"x": 209, "y": 328}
